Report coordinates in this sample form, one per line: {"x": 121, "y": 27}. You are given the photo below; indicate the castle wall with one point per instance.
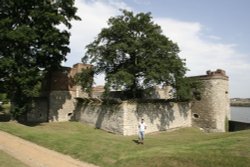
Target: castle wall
{"x": 159, "y": 116}
{"x": 39, "y": 110}
{"x": 61, "y": 105}
{"x": 63, "y": 91}
{"x": 66, "y": 101}
{"x": 106, "y": 117}
{"x": 123, "y": 118}
{"x": 236, "y": 126}
{"x": 212, "y": 112}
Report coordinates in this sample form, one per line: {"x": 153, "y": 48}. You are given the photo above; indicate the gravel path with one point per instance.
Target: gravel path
{"x": 34, "y": 155}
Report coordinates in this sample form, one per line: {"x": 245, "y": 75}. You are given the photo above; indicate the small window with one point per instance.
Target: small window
{"x": 196, "y": 116}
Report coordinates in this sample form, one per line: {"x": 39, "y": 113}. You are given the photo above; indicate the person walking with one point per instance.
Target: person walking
{"x": 142, "y": 127}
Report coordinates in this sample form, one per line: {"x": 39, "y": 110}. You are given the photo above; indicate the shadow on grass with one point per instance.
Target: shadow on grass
{"x": 136, "y": 141}
{"x": 31, "y": 124}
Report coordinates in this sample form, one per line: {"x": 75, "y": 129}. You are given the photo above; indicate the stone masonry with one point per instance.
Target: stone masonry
{"x": 66, "y": 101}
{"x": 123, "y": 118}
{"x": 61, "y": 92}
{"x": 212, "y": 112}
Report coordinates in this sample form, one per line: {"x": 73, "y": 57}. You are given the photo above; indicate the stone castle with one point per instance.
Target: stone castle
{"x": 62, "y": 100}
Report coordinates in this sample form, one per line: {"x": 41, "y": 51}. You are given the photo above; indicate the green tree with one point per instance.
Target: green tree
{"x": 85, "y": 79}
{"x": 134, "y": 54}
{"x": 31, "y": 44}
{"x": 3, "y": 98}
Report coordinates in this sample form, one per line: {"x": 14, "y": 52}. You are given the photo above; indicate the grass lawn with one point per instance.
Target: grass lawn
{"x": 8, "y": 161}
{"x": 188, "y": 147}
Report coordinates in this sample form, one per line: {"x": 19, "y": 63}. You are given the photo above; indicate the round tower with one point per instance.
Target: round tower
{"x": 212, "y": 111}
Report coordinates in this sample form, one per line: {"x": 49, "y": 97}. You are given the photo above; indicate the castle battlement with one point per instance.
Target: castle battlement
{"x": 218, "y": 74}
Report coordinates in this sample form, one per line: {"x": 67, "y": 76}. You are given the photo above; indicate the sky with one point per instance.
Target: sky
{"x": 211, "y": 34}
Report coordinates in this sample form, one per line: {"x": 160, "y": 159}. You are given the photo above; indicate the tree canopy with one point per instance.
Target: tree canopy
{"x": 31, "y": 44}
{"x": 134, "y": 54}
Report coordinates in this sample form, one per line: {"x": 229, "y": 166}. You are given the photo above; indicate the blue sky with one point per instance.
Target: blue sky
{"x": 211, "y": 34}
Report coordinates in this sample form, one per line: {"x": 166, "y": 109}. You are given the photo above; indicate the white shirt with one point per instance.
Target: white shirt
{"x": 142, "y": 126}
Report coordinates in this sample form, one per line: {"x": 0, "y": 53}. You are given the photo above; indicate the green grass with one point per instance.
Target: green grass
{"x": 8, "y": 161}
{"x": 187, "y": 147}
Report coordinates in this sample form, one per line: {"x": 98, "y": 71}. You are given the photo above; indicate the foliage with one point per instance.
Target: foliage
{"x": 134, "y": 54}
{"x": 186, "y": 147}
{"x": 3, "y": 97}
{"x": 85, "y": 79}
{"x": 4, "y": 105}
{"x": 31, "y": 44}
{"x": 188, "y": 89}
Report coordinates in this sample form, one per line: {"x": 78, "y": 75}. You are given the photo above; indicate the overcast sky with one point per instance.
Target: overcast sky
{"x": 211, "y": 34}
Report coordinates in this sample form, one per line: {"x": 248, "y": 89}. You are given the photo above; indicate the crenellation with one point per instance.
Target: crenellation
{"x": 218, "y": 72}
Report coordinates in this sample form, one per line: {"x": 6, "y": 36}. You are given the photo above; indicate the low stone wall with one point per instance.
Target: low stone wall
{"x": 106, "y": 117}
{"x": 123, "y": 118}
{"x": 159, "y": 116}
{"x": 236, "y": 126}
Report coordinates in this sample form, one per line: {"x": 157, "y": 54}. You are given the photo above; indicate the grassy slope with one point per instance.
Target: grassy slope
{"x": 8, "y": 161}
{"x": 181, "y": 148}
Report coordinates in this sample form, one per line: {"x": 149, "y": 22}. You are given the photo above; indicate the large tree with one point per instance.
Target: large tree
{"x": 134, "y": 54}
{"x": 31, "y": 44}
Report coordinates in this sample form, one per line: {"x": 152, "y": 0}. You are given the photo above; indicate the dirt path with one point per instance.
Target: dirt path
{"x": 34, "y": 155}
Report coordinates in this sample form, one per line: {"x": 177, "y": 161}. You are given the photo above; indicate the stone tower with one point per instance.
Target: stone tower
{"x": 62, "y": 92}
{"x": 212, "y": 111}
